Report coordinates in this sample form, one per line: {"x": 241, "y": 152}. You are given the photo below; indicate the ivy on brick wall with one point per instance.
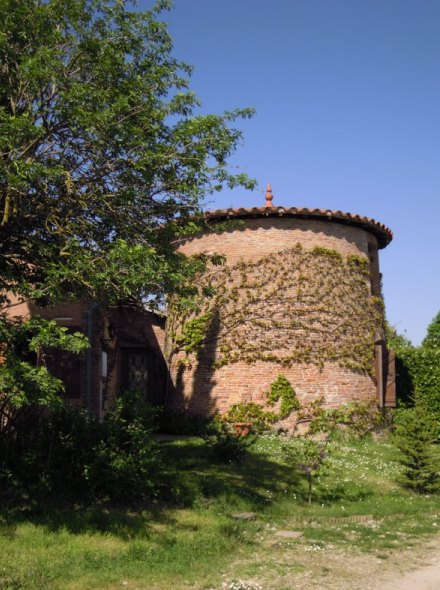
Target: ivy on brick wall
{"x": 280, "y": 391}
{"x": 296, "y": 306}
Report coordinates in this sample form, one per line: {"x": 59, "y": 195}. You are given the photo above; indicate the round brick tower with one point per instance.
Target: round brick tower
{"x": 299, "y": 295}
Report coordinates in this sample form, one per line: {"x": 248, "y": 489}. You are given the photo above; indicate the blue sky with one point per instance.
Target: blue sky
{"x": 347, "y": 94}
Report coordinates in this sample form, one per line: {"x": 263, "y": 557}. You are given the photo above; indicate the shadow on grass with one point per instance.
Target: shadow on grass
{"x": 250, "y": 479}
{"x": 337, "y": 493}
{"x": 194, "y": 478}
{"x": 120, "y": 522}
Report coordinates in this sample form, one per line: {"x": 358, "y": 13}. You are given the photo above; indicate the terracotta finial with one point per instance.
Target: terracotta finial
{"x": 269, "y": 196}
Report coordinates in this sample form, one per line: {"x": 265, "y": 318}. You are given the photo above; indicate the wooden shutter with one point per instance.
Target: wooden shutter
{"x": 385, "y": 376}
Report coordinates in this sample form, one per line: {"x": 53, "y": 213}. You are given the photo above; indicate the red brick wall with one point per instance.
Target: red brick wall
{"x": 201, "y": 389}
{"x": 205, "y": 391}
{"x": 263, "y": 236}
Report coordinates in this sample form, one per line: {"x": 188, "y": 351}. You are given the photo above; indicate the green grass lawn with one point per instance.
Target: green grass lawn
{"x": 358, "y": 505}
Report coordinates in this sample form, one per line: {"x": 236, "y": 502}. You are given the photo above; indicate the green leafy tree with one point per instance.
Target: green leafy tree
{"x": 418, "y": 370}
{"x": 395, "y": 340}
{"x": 25, "y": 382}
{"x": 428, "y": 372}
{"x": 309, "y": 457}
{"x": 406, "y": 359}
{"x": 105, "y": 161}
{"x": 432, "y": 339}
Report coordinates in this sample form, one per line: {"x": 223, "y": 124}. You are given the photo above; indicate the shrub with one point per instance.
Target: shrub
{"x": 308, "y": 456}
{"x": 126, "y": 462}
{"x": 68, "y": 454}
{"x": 414, "y": 436}
{"x": 226, "y": 446}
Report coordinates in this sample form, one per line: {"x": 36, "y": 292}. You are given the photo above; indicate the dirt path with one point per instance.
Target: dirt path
{"x": 417, "y": 568}
{"x": 424, "y": 576}
{"x": 306, "y": 567}
{"x": 427, "y": 578}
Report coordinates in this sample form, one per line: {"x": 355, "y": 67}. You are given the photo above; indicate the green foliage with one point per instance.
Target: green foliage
{"x": 27, "y": 388}
{"x": 309, "y": 456}
{"x": 281, "y": 389}
{"x": 358, "y": 418}
{"x": 432, "y": 339}
{"x": 194, "y": 333}
{"x": 126, "y": 462}
{"x": 24, "y": 379}
{"x": 251, "y": 413}
{"x": 105, "y": 163}
{"x": 102, "y": 150}
{"x": 425, "y": 374}
{"x": 415, "y": 436}
{"x": 358, "y": 261}
{"x": 418, "y": 371}
{"x": 330, "y": 252}
{"x": 66, "y": 453}
{"x": 48, "y": 334}
{"x": 257, "y": 415}
{"x": 406, "y": 361}
{"x": 396, "y": 341}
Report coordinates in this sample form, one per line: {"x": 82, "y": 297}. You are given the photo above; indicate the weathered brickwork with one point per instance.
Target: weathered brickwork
{"x": 204, "y": 391}
{"x": 263, "y": 236}
{"x": 207, "y": 384}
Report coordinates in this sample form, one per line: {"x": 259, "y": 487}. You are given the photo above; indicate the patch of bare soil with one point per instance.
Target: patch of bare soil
{"x": 423, "y": 575}
{"x": 299, "y": 565}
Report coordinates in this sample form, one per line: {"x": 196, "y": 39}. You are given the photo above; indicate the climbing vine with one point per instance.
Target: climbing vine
{"x": 296, "y": 306}
{"x": 280, "y": 391}
{"x": 193, "y": 333}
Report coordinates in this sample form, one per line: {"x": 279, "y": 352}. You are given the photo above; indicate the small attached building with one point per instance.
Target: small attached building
{"x": 126, "y": 352}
